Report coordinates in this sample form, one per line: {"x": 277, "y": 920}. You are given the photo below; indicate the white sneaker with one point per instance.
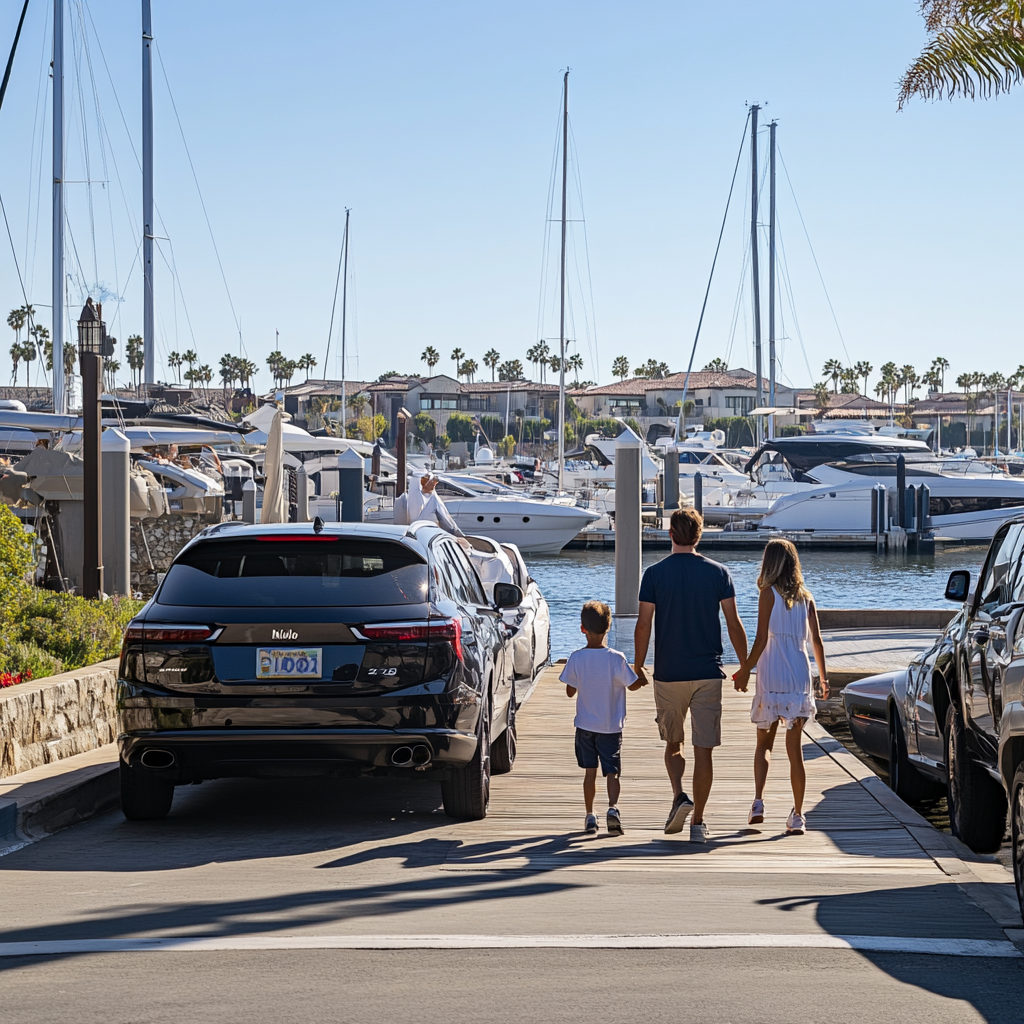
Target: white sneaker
{"x": 700, "y": 833}
{"x": 795, "y": 824}
{"x": 590, "y": 825}
{"x": 756, "y": 815}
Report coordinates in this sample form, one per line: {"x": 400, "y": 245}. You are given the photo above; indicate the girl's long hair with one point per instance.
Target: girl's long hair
{"x": 780, "y": 568}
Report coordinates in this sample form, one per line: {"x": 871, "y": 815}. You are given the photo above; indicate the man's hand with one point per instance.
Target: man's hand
{"x": 822, "y": 689}
{"x": 740, "y": 679}
{"x": 641, "y": 675}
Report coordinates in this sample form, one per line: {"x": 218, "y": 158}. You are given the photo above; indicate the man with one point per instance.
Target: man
{"x": 682, "y": 594}
{"x": 424, "y": 503}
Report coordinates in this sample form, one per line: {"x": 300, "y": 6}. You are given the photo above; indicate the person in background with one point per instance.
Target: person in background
{"x": 424, "y": 503}
{"x": 786, "y": 619}
{"x": 598, "y": 678}
{"x": 682, "y": 596}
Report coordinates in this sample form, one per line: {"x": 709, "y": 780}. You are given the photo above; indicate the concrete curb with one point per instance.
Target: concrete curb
{"x": 44, "y": 800}
{"x": 983, "y": 880}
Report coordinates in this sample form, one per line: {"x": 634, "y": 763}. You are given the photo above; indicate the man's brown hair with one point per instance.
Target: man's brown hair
{"x": 596, "y": 617}
{"x": 686, "y": 526}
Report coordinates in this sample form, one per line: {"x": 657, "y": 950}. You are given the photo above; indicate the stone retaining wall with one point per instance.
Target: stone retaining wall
{"x": 66, "y": 714}
{"x": 165, "y": 536}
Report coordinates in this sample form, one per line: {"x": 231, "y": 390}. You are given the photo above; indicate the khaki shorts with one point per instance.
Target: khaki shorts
{"x": 702, "y": 698}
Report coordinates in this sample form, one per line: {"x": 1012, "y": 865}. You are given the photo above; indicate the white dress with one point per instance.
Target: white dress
{"x": 783, "y": 687}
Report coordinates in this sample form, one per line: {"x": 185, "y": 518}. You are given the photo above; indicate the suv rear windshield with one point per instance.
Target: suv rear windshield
{"x": 311, "y": 572}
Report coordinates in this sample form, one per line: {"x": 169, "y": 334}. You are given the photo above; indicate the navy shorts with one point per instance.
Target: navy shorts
{"x": 605, "y": 747}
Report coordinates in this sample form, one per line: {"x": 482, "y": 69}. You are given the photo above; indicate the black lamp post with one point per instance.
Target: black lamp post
{"x": 92, "y": 343}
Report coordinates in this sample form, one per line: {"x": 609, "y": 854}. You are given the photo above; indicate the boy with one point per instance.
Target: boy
{"x": 598, "y": 677}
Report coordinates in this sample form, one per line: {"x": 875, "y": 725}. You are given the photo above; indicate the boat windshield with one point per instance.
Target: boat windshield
{"x": 884, "y": 464}
{"x": 479, "y": 485}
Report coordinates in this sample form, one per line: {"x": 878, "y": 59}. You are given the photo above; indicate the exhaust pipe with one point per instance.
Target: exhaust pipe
{"x": 157, "y": 759}
{"x": 402, "y": 757}
{"x": 421, "y": 755}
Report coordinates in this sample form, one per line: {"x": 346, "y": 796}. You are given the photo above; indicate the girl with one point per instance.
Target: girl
{"x": 785, "y": 616}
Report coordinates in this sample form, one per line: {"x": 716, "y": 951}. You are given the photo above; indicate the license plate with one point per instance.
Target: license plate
{"x": 288, "y": 663}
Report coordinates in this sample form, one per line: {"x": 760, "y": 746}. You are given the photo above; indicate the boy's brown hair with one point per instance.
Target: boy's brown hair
{"x": 686, "y": 526}
{"x": 596, "y": 617}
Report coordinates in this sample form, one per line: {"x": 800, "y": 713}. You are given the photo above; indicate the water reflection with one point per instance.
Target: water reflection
{"x": 837, "y": 579}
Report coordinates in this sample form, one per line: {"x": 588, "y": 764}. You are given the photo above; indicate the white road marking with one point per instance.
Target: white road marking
{"x": 862, "y": 943}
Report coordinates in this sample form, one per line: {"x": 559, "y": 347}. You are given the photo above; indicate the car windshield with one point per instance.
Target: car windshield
{"x": 299, "y": 572}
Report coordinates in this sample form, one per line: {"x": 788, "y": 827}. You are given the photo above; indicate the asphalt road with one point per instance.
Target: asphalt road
{"x": 239, "y": 858}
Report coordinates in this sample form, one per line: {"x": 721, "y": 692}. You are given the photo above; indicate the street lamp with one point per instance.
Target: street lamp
{"x": 93, "y": 345}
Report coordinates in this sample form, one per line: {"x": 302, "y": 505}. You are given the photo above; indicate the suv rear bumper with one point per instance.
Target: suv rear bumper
{"x": 228, "y": 753}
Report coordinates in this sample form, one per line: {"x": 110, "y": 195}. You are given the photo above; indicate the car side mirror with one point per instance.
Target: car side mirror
{"x": 958, "y": 585}
{"x": 507, "y": 595}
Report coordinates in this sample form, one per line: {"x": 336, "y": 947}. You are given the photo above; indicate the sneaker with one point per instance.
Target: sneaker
{"x": 590, "y": 825}
{"x": 614, "y": 822}
{"x": 681, "y": 807}
{"x": 700, "y": 833}
{"x": 756, "y": 815}
{"x": 795, "y": 824}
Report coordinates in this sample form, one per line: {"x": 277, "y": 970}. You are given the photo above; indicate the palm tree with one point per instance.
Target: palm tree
{"x": 457, "y": 356}
{"x": 555, "y": 363}
{"x": 511, "y": 369}
{"x": 834, "y": 369}
{"x": 491, "y": 359}
{"x": 174, "y": 361}
{"x": 849, "y": 378}
{"x": 28, "y": 355}
{"x": 717, "y": 364}
{"x": 821, "y": 396}
{"x": 574, "y": 362}
{"x": 136, "y": 357}
{"x": 190, "y": 357}
{"x": 975, "y": 47}
{"x": 468, "y": 369}
{"x": 431, "y": 357}
{"x": 940, "y": 366}
{"x": 16, "y": 320}
{"x": 864, "y": 370}
{"x": 620, "y": 367}
{"x": 307, "y": 362}
{"x": 538, "y": 355}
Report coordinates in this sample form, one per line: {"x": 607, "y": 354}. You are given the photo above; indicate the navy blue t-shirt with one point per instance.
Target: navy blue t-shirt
{"x": 686, "y": 590}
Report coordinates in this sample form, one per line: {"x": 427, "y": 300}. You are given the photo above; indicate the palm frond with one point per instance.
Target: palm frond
{"x": 976, "y": 49}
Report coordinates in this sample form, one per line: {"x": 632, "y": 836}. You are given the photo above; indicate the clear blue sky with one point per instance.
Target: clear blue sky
{"x": 436, "y": 122}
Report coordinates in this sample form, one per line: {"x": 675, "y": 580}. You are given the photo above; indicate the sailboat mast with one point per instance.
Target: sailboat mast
{"x": 771, "y": 278}
{"x": 561, "y": 308}
{"x": 344, "y": 317}
{"x": 57, "y": 281}
{"x": 148, "y": 318}
{"x": 754, "y": 272}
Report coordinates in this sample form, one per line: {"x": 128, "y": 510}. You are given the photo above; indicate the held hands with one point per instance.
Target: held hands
{"x": 822, "y": 689}
{"x": 741, "y": 678}
{"x": 641, "y": 675}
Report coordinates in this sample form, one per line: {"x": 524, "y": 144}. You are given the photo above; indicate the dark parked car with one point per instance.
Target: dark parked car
{"x": 867, "y": 712}
{"x": 959, "y": 718}
{"x": 317, "y": 650}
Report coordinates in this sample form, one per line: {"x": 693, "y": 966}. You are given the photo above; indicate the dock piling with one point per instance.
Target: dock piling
{"x": 671, "y": 481}
{"x": 698, "y": 493}
{"x": 249, "y": 502}
{"x": 628, "y": 526}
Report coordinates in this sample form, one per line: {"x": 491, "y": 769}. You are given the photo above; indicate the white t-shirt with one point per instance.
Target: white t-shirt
{"x": 600, "y": 677}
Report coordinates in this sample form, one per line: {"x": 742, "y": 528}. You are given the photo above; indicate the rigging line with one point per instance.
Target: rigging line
{"x": 14, "y": 256}
{"x": 77, "y": 44}
{"x": 10, "y": 59}
{"x": 334, "y": 304}
{"x": 202, "y": 202}
{"x": 786, "y": 279}
{"x": 821, "y": 278}
{"x": 41, "y": 94}
{"x": 578, "y": 181}
{"x": 545, "y": 255}
{"x": 707, "y": 291}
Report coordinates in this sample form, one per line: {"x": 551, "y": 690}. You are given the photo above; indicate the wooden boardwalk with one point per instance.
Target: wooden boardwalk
{"x": 536, "y": 813}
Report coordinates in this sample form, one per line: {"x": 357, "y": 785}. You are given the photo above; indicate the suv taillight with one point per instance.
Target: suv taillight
{"x": 167, "y": 634}
{"x": 449, "y": 630}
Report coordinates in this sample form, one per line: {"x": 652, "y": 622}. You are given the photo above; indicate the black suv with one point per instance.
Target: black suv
{"x": 957, "y": 716}
{"x": 317, "y": 650}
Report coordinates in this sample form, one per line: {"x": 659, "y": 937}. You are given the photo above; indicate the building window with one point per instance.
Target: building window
{"x": 739, "y": 404}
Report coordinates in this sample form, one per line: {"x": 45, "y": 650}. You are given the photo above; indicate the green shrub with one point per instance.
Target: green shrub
{"x": 16, "y": 557}
{"x": 459, "y": 427}
{"x": 426, "y": 427}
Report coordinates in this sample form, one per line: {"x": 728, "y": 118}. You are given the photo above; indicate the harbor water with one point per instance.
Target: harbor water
{"x": 837, "y": 579}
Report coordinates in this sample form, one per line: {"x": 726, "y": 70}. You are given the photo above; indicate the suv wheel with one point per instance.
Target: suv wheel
{"x": 467, "y": 790}
{"x": 904, "y": 778}
{"x": 977, "y": 803}
{"x": 1017, "y": 832}
{"x": 503, "y": 752}
{"x": 144, "y": 797}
